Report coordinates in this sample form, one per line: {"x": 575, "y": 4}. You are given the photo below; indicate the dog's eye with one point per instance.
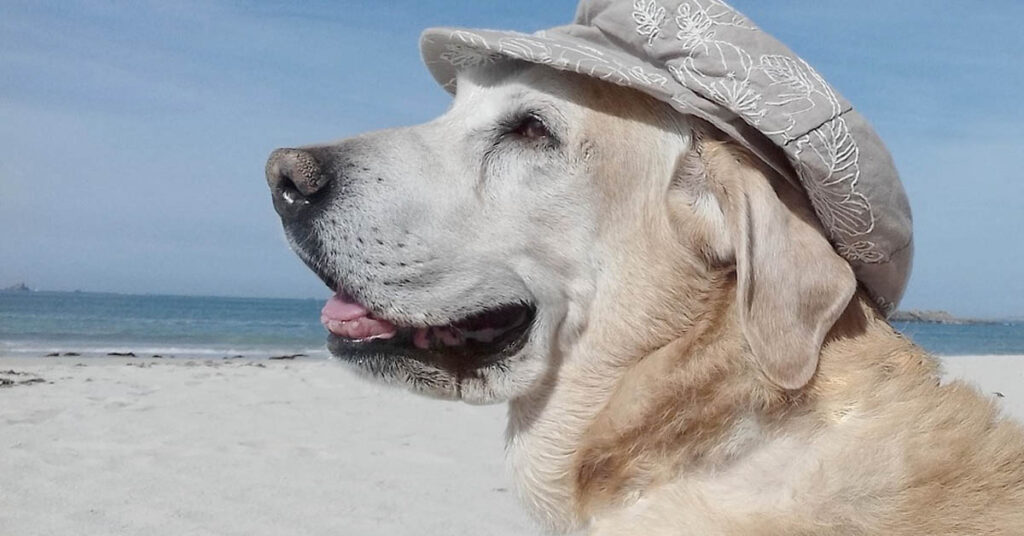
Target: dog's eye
{"x": 531, "y": 128}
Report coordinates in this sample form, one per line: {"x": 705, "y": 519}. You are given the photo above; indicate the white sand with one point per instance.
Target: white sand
{"x": 168, "y": 447}
{"x": 295, "y": 448}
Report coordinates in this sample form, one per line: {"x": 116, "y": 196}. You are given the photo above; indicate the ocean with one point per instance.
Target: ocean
{"x": 40, "y": 323}
{"x": 91, "y": 324}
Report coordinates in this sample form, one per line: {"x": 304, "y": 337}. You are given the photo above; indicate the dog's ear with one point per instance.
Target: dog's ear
{"x": 791, "y": 284}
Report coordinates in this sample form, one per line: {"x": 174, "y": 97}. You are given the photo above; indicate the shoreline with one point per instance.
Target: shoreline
{"x": 150, "y": 351}
{"x": 17, "y": 349}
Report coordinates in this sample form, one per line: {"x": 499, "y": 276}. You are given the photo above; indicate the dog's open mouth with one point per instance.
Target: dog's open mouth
{"x": 478, "y": 339}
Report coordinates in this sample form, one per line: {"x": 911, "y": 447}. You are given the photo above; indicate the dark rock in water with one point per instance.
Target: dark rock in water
{"x": 54, "y": 354}
{"x": 288, "y": 356}
{"x": 931, "y": 317}
{"x": 121, "y": 354}
{"x": 71, "y": 354}
{"x": 158, "y": 356}
{"x": 239, "y": 356}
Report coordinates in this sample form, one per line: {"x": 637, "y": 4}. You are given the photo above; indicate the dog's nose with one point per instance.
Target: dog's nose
{"x": 295, "y": 178}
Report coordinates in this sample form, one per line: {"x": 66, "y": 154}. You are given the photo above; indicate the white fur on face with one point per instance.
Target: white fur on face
{"x": 445, "y": 219}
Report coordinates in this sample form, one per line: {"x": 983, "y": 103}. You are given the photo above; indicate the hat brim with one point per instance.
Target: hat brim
{"x": 446, "y": 50}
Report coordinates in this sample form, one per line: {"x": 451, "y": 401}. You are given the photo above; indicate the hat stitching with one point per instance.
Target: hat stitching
{"x": 649, "y": 17}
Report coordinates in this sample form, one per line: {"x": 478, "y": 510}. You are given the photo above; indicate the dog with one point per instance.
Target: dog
{"x": 681, "y": 349}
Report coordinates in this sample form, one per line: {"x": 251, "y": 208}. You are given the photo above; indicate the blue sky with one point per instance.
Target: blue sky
{"x": 133, "y": 135}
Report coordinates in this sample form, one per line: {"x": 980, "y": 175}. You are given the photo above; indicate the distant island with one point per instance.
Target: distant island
{"x": 18, "y": 287}
{"x": 932, "y": 317}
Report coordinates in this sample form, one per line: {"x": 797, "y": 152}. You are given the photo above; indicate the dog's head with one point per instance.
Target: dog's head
{"x": 545, "y": 212}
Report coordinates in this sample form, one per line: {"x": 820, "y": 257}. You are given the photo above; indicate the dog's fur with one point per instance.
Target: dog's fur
{"x": 702, "y": 361}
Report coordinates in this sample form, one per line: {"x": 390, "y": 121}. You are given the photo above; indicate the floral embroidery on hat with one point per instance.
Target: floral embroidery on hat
{"x": 461, "y": 55}
{"x": 649, "y": 17}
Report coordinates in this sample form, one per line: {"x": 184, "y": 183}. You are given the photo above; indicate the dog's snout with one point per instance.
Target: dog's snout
{"x": 295, "y": 178}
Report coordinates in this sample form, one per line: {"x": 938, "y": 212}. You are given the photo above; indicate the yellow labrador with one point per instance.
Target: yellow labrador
{"x": 681, "y": 349}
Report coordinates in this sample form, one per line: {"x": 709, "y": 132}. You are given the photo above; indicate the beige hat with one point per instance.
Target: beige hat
{"x": 706, "y": 59}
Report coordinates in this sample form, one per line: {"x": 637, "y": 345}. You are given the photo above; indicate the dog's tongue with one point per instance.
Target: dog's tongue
{"x": 346, "y": 318}
{"x": 342, "y": 308}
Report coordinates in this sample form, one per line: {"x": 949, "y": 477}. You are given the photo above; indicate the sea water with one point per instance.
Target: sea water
{"x": 41, "y": 323}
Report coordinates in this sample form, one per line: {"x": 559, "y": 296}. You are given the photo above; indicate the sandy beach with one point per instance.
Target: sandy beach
{"x": 101, "y": 446}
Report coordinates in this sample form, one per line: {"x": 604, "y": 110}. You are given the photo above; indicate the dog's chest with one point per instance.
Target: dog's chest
{"x": 785, "y": 483}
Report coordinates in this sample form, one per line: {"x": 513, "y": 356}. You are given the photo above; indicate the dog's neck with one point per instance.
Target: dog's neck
{"x": 596, "y": 438}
